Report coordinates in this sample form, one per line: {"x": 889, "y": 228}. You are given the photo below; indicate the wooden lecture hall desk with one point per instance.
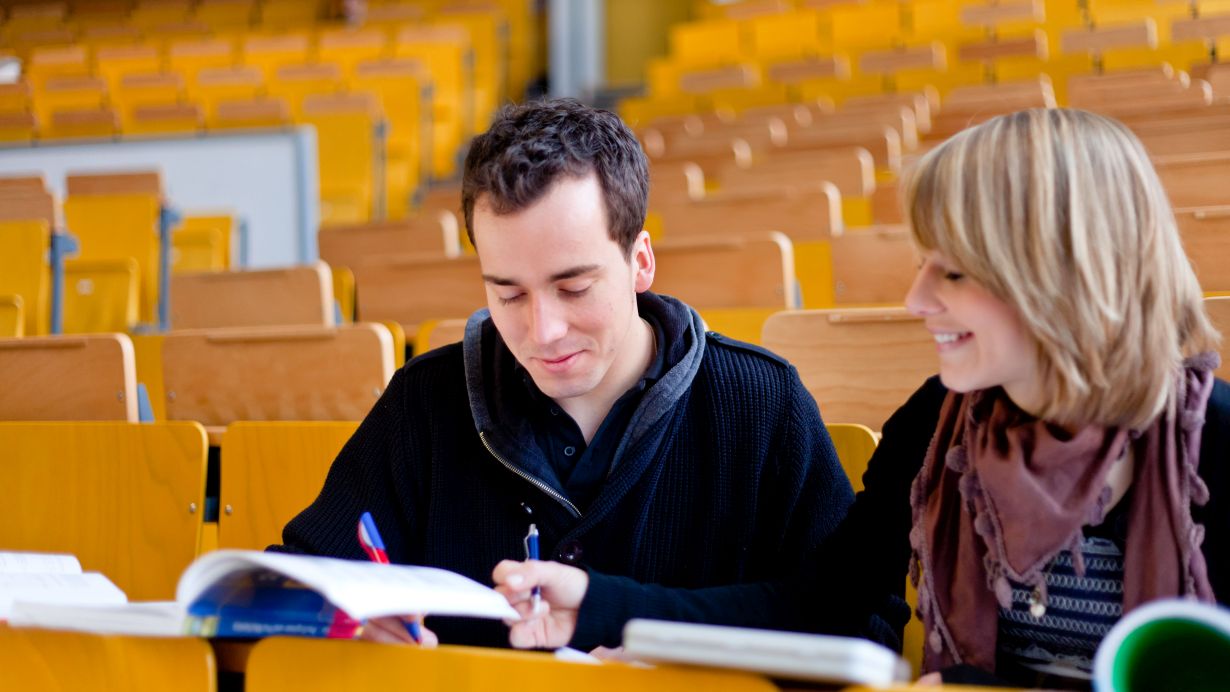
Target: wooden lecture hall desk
{"x": 32, "y": 659}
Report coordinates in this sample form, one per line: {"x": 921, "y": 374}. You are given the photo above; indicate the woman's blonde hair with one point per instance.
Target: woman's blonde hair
{"x": 1059, "y": 213}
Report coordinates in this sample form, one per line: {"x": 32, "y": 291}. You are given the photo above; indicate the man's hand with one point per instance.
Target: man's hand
{"x": 392, "y": 630}
{"x": 563, "y": 588}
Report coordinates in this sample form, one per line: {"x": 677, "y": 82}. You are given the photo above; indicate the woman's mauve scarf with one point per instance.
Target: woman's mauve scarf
{"x": 1013, "y": 491}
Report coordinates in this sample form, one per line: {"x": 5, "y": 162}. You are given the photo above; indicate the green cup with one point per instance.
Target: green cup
{"x": 1169, "y": 646}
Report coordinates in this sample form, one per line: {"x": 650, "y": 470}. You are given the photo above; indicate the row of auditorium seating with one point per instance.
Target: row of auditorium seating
{"x": 773, "y": 52}
{"x": 858, "y": 363}
{"x": 391, "y": 104}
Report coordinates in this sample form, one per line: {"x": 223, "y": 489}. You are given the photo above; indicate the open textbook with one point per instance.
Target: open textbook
{"x": 243, "y": 593}
{"x": 52, "y": 579}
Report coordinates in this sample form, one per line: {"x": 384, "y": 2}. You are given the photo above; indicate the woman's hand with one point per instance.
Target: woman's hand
{"x": 555, "y": 620}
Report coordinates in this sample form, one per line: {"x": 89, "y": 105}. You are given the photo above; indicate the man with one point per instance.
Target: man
{"x": 639, "y": 445}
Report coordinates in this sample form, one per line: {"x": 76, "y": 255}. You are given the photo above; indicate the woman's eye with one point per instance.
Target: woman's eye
{"x": 953, "y": 276}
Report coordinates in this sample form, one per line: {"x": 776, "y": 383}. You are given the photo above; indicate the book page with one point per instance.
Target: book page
{"x": 46, "y": 563}
{"x": 147, "y": 618}
{"x": 90, "y": 588}
{"x": 362, "y": 589}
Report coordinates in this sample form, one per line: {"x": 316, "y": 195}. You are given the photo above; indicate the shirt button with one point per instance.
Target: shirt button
{"x": 554, "y": 411}
{"x": 570, "y": 553}
{"x": 569, "y": 451}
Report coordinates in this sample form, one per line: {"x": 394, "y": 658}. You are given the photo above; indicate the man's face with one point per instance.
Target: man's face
{"x": 561, "y": 292}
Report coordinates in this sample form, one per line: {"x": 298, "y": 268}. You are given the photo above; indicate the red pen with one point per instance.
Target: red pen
{"x": 373, "y": 545}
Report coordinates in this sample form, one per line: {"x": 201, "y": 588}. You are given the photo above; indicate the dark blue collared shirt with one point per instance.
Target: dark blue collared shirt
{"x": 581, "y": 467}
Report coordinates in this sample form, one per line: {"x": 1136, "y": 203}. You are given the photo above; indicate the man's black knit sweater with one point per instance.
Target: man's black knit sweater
{"x": 725, "y": 474}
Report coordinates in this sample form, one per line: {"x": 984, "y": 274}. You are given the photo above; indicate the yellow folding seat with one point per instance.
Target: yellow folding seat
{"x": 17, "y": 128}
{"x": 15, "y": 97}
{"x": 36, "y": 16}
{"x": 34, "y": 370}
{"x": 403, "y": 87}
{"x": 789, "y": 35}
{"x": 214, "y": 85}
{"x": 348, "y": 149}
{"x": 136, "y": 494}
{"x": 488, "y": 32}
{"x": 446, "y": 53}
{"x": 38, "y": 659}
{"x": 161, "y": 119}
{"x": 82, "y": 123}
{"x": 141, "y": 89}
{"x": 202, "y": 242}
{"x": 289, "y": 14}
{"x": 154, "y": 13}
{"x": 707, "y": 44}
{"x": 115, "y": 217}
{"x": 225, "y": 14}
{"x": 99, "y": 35}
{"x": 187, "y": 57}
{"x": 856, "y": 28}
{"x": 100, "y": 13}
{"x": 68, "y": 93}
{"x": 58, "y": 61}
{"x": 524, "y": 63}
{"x": 268, "y": 53}
{"x": 100, "y": 295}
{"x": 253, "y": 454}
{"x": 296, "y": 82}
{"x": 24, "y": 271}
{"x": 113, "y": 62}
{"x": 285, "y": 664}
{"x": 244, "y": 114}
{"x": 288, "y": 296}
{"x": 348, "y": 47}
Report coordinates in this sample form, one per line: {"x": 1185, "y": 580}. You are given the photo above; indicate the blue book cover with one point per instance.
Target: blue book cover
{"x": 263, "y": 603}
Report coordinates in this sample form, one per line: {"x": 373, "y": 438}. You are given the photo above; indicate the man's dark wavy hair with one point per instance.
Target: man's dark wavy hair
{"x": 532, "y": 146}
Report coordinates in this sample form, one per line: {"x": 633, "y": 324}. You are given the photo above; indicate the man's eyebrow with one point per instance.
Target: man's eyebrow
{"x": 570, "y": 273}
{"x": 575, "y": 272}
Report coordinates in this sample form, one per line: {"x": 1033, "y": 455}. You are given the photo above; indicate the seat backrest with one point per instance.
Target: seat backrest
{"x": 114, "y": 216}
{"x": 24, "y": 271}
{"x": 432, "y": 233}
{"x": 757, "y": 270}
{"x": 1206, "y": 240}
{"x": 220, "y": 376}
{"x": 88, "y": 377}
{"x": 126, "y": 499}
{"x": 253, "y": 298}
{"x": 285, "y": 664}
{"x": 436, "y": 333}
{"x": 873, "y": 265}
{"x": 37, "y": 659}
{"x": 1198, "y": 180}
{"x": 100, "y": 295}
{"x": 859, "y": 364}
{"x": 271, "y": 470}
{"x": 855, "y": 444}
{"x": 803, "y": 215}
{"x": 413, "y": 289}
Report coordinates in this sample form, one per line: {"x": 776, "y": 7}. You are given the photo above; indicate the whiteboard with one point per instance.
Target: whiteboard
{"x": 267, "y": 178}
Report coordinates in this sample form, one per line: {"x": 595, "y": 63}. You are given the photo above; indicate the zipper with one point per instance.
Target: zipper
{"x": 482, "y": 436}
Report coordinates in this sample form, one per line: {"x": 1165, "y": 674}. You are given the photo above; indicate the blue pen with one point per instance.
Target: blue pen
{"x": 373, "y": 545}
{"x": 531, "y": 553}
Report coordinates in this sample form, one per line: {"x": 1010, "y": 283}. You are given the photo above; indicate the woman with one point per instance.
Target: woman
{"x": 1069, "y": 464}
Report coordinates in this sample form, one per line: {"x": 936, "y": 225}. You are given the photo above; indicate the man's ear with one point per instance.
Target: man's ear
{"x": 643, "y": 262}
